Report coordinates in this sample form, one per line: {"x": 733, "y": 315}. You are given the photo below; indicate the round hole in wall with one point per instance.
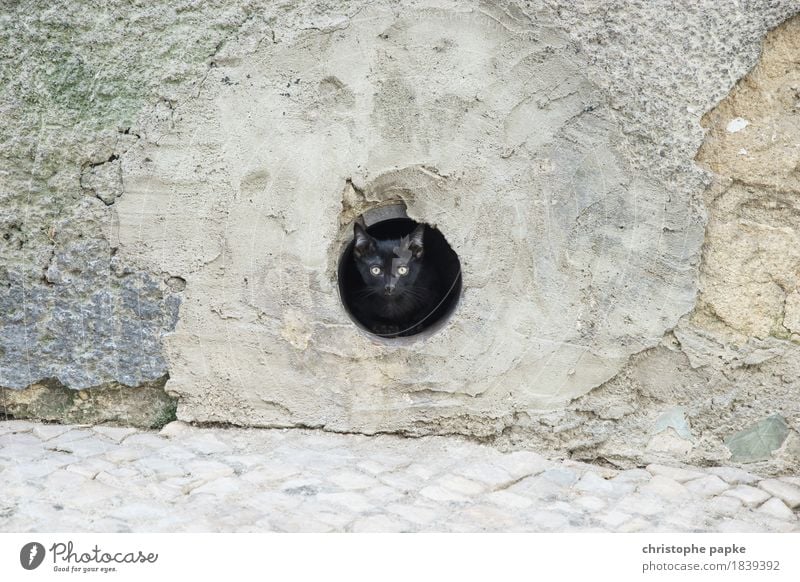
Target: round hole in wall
{"x": 398, "y": 277}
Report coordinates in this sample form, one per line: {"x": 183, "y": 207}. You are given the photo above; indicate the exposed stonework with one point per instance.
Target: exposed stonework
{"x": 72, "y": 87}
{"x": 144, "y": 406}
{"x": 752, "y": 250}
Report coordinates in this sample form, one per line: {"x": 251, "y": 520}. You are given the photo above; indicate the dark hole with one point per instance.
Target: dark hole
{"x": 441, "y": 289}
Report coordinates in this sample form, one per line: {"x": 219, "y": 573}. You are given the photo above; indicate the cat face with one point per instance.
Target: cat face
{"x": 389, "y": 268}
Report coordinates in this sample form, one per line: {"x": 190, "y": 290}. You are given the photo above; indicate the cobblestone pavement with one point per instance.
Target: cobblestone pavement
{"x": 56, "y": 478}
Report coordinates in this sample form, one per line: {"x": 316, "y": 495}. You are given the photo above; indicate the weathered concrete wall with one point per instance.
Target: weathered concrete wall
{"x": 484, "y": 122}
{"x": 217, "y": 159}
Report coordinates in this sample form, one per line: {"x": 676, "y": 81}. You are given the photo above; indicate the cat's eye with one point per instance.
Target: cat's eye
{"x": 402, "y": 270}
{"x": 375, "y": 271}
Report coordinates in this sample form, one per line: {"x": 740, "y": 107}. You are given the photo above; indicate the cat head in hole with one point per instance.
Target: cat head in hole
{"x": 389, "y": 267}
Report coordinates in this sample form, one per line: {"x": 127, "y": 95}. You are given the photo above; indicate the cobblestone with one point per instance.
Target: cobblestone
{"x": 750, "y": 496}
{"x": 787, "y": 492}
{"x": 76, "y": 478}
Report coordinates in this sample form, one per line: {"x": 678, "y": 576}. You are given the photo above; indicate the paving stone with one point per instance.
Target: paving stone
{"x": 245, "y": 462}
{"x": 125, "y": 454}
{"x": 45, "y": 432}
{"x": 133, "y": 487}
{"x": 740, "y": 526}
{"x": 92, "y": 493}
{"x": 461, "y": 485}
{"x": 303, "y": 486}
{"x": 786, "y": 492}
{"x": 621, "y": 488}
{"x": 560, "y": 475}
{"x": 593, "y": 484}
{"x": 590, "y": 503}
{"x": 15, "y": 426}
{"x": 221, "y": 487}
{"x": 349, "y": 500}
{"x": 268, "y": 501}
{"x": 613, "y": 519}
{"x": 438, "y": 493}
{"x": 733, "y": 475}
{"x": 115, "y": 433}
{"x": 388, "y": 460}
{"x": 21, "y": 491}
{"x": 632, "y": 476}
{"x": 85, "y": 447}
{"x": 420, "y": 470}
{"x": 384, "y": 494}
{"x": 636, "y": 524}
{"x": 537, "y": 488}
{"x": 297, "y": 523}
{"x": 380, "y": 523}
{"x": 21, "y": 438}
{"x": 414, "y": 513}
{"x": 662, "y": 486}
{"x": 270, "y": 472}
{"x": 91, "y": 467}
{"x": 206, "y": 469}
{"x": 521, "y": 463}
{"x": 124, "y": 472}
{"x": 139, "y": 510}
{"x": 492, "y": 475}
{"x": 338, "y": 520}
{"x": 686, "y": 517}
{"x": 550, "y": 520}
{"x": 774, "y": 507}
{"x": 159, "y": 467}
{"x": 482, "y": 517}
{"x": 146, "y": 439}
{"x": 74, "y": 434}
{"x": 62, "y": 481}
{"x": 373, "y": 467}
{"x": 23, "y": 452}
{"x": 644, "y": 504}
{"x": 726, "y": 505}
{"x": 508, "y": 499}
{"x": 402, "y": 481}
{"x": 348, "y": 479}
{"x": 599, "y": 470}
{"x": 110, "y": 525}
{"x": 28, "y": 471}
{"x": 707, "y": 486}
{"x": 563, "y": 507}
{"x": 675, "y": 473}
{"x": 206, "y": 444}
{"x": 174, "y": 453}
{"x": 750, "y": 496}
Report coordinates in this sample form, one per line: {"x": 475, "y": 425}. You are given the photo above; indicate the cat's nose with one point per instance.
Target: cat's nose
{"x": 388, "y": 290}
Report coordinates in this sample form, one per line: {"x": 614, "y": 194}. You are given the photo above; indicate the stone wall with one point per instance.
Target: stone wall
{"x": 182, "y": 182}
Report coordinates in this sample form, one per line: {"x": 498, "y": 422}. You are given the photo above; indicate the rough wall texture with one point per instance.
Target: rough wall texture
{"x": 483, "y": 122}
{"x": 214, "y": 156}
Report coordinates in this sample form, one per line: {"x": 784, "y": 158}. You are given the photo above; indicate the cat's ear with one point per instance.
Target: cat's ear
{"x": 363, "y": 242}
{"x": 415, "y": 241}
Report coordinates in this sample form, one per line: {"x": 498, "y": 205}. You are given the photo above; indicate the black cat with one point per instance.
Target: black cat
{"x": 399, "y": 291}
